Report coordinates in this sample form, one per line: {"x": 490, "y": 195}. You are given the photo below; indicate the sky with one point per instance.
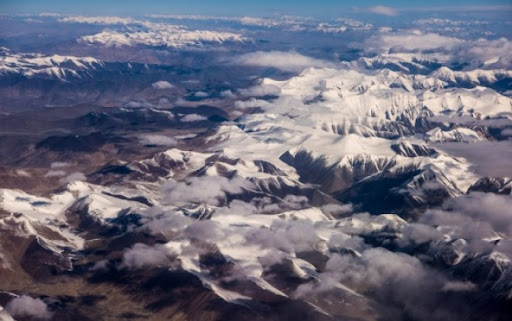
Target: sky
{"x": 233, "y": 7}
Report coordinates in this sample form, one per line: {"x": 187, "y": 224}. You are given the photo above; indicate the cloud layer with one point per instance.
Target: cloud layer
{"x": 287, "y": 61}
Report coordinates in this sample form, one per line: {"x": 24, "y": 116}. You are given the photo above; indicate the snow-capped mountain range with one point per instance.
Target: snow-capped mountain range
{"x": 48, "y": 67}
{"x": 271, "y": 186}
{"x": 252, "y": 183}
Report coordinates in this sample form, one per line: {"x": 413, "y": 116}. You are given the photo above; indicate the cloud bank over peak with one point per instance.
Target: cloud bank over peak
{"x": 476, "y": 53}
{"x": 162, "y": 84}
{"x": 412, "y": 40}
{"x": 286, "y": 61}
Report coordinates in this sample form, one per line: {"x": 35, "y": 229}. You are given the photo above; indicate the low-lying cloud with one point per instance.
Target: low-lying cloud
{"x": 158, "y": 140}
{"x": 162, "y": 84}
{"x": 408, "y": 41}
{"x": 76, "y": 176}
{"x": 55, "y": 173}
{"x": 192, "y": 118}
{"x": 260, "y": 91}
{"x": 395, "y": 279}
{"x": 208, "y": 189}
{"x": 26, "y": 306}
{"x": 475, "y": 218}
{"x": 141, "y": 255}
{"x": 489, "y": 158}
{"x": 286, "y": 61}
{"x": 490, "y": 54}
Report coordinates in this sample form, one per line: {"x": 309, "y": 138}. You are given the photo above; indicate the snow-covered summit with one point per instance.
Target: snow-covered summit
{"x": 41, "y": 66}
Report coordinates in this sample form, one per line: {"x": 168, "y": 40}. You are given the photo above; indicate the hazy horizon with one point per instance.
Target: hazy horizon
{"x": 232, "y": 8}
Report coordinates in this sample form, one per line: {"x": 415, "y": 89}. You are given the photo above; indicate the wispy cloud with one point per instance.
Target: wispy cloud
{"x": 383, "y": 10}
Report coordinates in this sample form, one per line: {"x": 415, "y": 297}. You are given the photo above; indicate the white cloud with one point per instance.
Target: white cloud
{"x": 337, "y": 209}
{"x": 479, "y": 208}
{"x": 251, "y": 103}
{"x": 164, "y": 101}
{"x": 141, "y": 255}
{"x": 260, "y": 90}
{"x": 287, "y": 61}
{"x": 100, "y": 265}
{"x": 346, "y": 241}
{"x": 493, "y": 54}
{"x": 421, "y": 233}
{"x": 159, "y": 140}
{"x": 208, "y": 189}
{"x": 473, "y": 218}
{"x": 169, "y": 222}
{"x": 227, "y": 94}
{"x": 56, "y": 165}
{"x": 394, "y": 279}
{"x": 488, "y": 158}
{"x": 455, "y": 286}
{"x": 192, "y": 118}
{"x": 408, "y": 41}
{"x": 49, "y": 14}
{"x": 138, "y": 104}
{"x": 204, "y": 230}
{"x": 383, "y": 10}
{"x": 265, "y": 205}
{"x": 201, "y": 94}
{"x": 76, "y": 176}
{"x": 26, "y": 306}
{"x": 287, "y": 236}
{"x": 162, "y": 84}
{"x": 55, "y": 173}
